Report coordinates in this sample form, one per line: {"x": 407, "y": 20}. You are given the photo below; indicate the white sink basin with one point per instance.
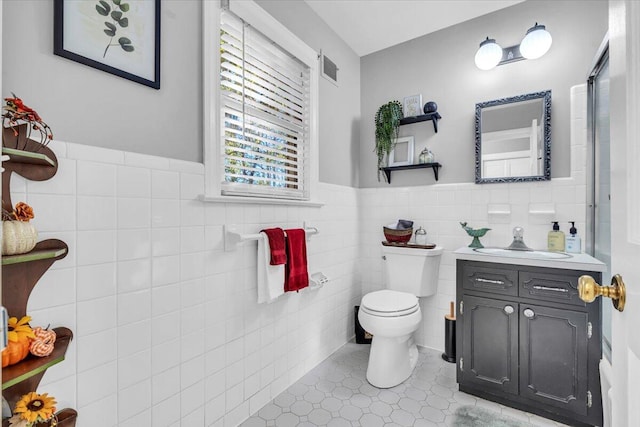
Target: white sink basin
{"x": 522, "y": 254}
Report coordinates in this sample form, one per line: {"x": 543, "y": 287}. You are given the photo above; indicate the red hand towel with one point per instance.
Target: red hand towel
{"x": 296, "y": 276}
{"x": 276, "y": 243}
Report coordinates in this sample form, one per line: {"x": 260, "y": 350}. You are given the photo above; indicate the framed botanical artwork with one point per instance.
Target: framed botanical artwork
{"x": 402, "y": 153}
{"x": 412, "y": 105}
{"x": 121, "y": 37}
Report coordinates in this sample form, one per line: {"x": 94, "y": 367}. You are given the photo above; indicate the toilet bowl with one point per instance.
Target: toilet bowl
{"x": 392, "y": 315}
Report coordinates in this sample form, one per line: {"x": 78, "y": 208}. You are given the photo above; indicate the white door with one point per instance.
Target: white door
{"x": 624, "y": 33}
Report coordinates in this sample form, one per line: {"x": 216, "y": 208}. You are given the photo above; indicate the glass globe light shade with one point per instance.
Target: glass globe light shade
{"x": 536, "y": 43}
{"x": 488, "y": 55}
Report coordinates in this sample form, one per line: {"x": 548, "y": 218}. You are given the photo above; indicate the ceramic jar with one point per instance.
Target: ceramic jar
{"x": 18, "y": 237}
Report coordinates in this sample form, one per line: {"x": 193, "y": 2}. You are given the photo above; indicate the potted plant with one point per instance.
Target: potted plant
{"x": 387, "y": 121}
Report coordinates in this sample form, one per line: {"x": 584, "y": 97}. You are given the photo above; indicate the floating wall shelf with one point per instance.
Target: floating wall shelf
{"x": 434, "y": 117}
{"x": 434, "y": 166}
{"x": 20, "y": 156}
{"x": 33, "y": 365}
{"x": 34, "y": 255}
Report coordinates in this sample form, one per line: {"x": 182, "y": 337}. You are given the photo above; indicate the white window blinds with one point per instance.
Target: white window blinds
{"x": 264, "y": 115}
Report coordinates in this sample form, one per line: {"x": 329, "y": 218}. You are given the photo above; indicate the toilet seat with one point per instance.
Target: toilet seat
{"x": 387, "y": 303}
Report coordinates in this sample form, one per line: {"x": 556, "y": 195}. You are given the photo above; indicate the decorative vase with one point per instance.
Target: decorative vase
{"x": 430, "y": 107}
{"x": 18, "y": 237}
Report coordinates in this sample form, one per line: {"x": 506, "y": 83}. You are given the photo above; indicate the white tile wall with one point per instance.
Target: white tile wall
{"x": 167, "y": 329}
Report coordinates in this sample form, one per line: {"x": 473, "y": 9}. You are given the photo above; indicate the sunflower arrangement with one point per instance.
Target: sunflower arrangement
{"x": 19, "y": 329}
{"x": 34, "y": 408}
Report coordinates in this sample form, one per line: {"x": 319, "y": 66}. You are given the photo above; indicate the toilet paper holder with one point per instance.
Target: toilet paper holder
{"x": 317, "y": 280}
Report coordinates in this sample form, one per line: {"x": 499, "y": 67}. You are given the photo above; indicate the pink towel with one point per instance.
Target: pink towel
{"x": 296, "y": 276}
{"x": 276, "y": 243}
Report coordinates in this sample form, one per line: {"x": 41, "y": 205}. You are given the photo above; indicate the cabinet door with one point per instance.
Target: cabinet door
{"x": 553, "y": 357}
{"x": 490, "y": 344}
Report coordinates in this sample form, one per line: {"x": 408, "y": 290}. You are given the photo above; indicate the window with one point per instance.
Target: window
{"x": 266, "y": 95}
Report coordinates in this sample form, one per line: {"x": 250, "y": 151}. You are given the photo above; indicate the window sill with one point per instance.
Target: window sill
{"x": 259, "y": 201}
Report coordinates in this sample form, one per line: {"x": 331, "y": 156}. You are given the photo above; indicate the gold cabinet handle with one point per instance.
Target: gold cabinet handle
{"x": 589, "y": 290}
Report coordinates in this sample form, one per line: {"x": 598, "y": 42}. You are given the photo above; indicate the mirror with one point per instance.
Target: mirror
{"x": 513, "y": 139}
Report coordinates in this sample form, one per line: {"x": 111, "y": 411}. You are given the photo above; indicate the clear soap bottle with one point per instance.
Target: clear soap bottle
{"x": 574, "y": 243}
{"x": 555, "y": 239}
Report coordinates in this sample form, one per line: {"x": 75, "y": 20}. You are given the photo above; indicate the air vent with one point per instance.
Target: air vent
{"x": 329, "y": 69}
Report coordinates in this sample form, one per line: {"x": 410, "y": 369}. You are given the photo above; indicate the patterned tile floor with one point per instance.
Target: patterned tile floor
{"x": 336, "y": 393}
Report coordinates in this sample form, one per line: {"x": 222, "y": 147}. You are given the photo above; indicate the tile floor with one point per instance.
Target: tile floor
{"x": 336, "y": 393}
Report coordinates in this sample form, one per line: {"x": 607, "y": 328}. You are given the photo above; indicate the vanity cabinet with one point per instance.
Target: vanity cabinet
{"x": 526, "y": 340}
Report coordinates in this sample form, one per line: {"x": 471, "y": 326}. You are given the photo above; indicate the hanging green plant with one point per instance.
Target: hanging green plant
{"x": 387, "y": 124}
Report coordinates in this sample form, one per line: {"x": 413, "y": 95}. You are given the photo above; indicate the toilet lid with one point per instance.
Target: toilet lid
{"x": 389, "y": 303}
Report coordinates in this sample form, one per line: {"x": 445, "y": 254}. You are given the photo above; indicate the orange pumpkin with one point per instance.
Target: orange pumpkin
{"x": 15, "y": 351}
{"x": 19, "y": 337}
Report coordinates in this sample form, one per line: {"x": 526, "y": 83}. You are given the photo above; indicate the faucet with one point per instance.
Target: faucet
{"x": 518, "y": 242}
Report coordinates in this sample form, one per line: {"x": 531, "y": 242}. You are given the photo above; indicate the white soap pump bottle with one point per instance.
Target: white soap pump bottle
{"x": 574, "y": 243}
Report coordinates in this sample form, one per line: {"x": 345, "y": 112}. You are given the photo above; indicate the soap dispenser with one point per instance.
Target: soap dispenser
{"x": 574, "y": 243}
{"x": 555, "y": 239}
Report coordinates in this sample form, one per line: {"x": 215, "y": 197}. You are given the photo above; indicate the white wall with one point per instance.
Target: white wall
{"x": 441, "y": 67}
{"x": 166, "y": 324}
{"x": 100, "y": 109}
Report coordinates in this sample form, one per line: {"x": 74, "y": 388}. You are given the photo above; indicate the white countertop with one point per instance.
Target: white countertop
{"x": 575, "y": 262}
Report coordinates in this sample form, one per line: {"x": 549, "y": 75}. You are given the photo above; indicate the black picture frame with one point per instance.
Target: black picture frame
{"x": 63, "y": 50}
{"x": 546, "y": 151}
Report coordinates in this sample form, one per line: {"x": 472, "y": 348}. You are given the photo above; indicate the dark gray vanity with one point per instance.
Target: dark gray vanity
{"x": 524, "y": 337}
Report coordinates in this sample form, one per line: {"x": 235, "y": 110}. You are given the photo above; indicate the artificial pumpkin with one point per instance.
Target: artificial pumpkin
{"x": 15, "y": 352}
{"x": 43, "y": 343}
{"x": 18, "y": 237}
{"x": 19, "y": 340}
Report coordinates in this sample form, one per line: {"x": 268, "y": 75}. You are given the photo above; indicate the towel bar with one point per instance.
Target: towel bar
{"x": 232, "y": 236}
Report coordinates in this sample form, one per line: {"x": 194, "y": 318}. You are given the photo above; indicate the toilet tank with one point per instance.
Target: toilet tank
{"x": 412, "y": 270}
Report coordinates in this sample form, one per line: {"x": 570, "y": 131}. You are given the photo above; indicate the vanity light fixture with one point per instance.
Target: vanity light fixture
{"x": 535, "y": 44}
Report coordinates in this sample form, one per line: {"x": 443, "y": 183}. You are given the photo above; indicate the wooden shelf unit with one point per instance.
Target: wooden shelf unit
{"x": 21, "y": 273}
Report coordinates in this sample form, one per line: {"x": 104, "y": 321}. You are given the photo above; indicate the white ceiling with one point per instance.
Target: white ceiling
{"x": 371, "y": 25}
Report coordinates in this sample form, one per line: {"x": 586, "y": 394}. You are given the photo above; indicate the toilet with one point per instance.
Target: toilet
{"x": 392, "y": 315}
